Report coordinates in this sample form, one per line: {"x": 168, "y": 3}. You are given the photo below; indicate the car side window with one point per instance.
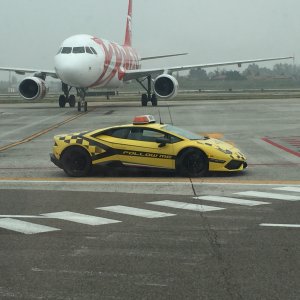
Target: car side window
{"x": 174, "y": 139}
{"x": 146, "y": 134}
{"x": 152, "y": 135}
{"x": 121, "y": 133}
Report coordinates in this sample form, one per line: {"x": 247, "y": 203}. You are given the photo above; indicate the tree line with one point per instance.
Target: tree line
{"x": 253, "y": 71}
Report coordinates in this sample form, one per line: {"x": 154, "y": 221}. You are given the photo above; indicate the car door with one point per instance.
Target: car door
{"x": 136, "y": 145}
{"x": 142, "y": 148}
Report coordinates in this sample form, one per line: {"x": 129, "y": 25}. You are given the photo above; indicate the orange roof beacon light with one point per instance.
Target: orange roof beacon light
{"x": 145, "y": 119}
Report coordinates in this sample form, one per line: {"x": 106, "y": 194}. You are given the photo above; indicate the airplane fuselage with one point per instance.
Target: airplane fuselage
{"x": 84, "y": 61}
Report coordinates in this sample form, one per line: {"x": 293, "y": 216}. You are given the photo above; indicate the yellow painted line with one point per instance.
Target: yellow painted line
{"x": 245, "y": 181}
{"x": 231, "y": 143}
{"x": 105, "y": 179}
{"x": 213, "y": 135}
{"x": 153, "y": 179}
{"x": 38, "y": 134}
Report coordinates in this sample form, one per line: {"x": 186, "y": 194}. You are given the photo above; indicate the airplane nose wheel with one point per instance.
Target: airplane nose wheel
{"x": 62, "y": 101}
{"x": 82, "y": 105}
{"x": 72, "y": 101}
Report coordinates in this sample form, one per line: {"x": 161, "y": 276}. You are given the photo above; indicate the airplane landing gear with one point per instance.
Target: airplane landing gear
{"x": 82, "y": 104}
{"x": 66, "y": 98}
{"x": 148, "y": 97}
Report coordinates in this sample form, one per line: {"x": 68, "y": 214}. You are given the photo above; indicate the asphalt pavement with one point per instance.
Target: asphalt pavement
{"x": 135, "y": 234}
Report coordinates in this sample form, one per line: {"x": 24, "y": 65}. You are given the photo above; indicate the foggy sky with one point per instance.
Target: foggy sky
{"x": 210, "y": 30}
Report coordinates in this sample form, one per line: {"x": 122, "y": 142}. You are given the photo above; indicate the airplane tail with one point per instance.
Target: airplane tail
{"x": 128, "y": 34}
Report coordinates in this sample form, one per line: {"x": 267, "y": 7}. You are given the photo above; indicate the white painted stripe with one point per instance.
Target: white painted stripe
{"x": 24, "y": 227}
{"x": 269, "y": 195}
{"x": 231, "y": 200}
{"x": 23, "y": 216}
{"x": 80, "y": 218}
{"x": 288, "y": 189}
{"x": 280, "y": 225}
{"x": 138, "y": 212}
{"x": 184, "y": 205}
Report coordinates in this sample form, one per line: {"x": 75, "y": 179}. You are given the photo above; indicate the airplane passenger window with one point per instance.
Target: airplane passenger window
{"x": 78, "y": 50}
{"x": 93, "y": 50}
{"x": 88, "y": 50}
{"x": 66, "y": 50}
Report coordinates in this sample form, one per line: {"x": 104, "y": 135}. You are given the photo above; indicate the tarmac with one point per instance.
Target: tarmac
{"x": 148, "y": 234}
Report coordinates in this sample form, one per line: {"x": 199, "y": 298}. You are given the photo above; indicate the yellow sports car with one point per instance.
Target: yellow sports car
{"x": 148, "y": 144}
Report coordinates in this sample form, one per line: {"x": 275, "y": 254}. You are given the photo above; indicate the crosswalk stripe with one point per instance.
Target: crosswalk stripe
{"x": 280, "y": 225}
{"x": 269, "y": 195}
{"x": 231, "y": 200}
{"x": 288, "y": 189}
{"x": 138, "y": 212}
{"x": 184, "y": 205}
{"x": 25, "y": 227}
{"x": 80, "y": 218}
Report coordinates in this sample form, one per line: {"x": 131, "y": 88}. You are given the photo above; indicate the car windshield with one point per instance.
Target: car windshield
{"x": 184, "y": 133}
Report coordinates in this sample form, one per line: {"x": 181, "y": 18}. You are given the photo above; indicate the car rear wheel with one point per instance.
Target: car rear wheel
{"x": 76, "y": 162}
{"x": 192, "y": 163}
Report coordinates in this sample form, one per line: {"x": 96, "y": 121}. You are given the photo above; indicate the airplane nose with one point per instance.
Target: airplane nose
{"x": 75, "y": 71}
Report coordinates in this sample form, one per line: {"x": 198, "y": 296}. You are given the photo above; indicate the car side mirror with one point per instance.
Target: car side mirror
{"x": 162, "y": 142}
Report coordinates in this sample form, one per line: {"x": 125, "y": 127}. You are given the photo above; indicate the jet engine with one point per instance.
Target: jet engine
{"x": 33, "y": 88}
{"x": 166, "y": 86}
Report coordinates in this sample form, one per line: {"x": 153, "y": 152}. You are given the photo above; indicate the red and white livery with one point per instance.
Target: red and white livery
{"x": 85, "y": 61}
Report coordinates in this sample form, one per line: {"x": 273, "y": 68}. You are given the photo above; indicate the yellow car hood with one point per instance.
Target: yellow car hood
{"x": 224, "y": 147}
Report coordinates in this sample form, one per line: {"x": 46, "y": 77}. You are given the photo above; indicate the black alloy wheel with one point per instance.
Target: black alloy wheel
{"x": 76, "y": 162}
{"x": 192, "y": 163}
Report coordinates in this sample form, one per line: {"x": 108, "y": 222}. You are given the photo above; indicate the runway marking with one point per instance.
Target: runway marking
{"x": 269, "y": 195}
{"x": 25, "y": 227}
{"x": 38, "y": 134}
{"x": 231, "y": 200}
{"x": 213, "y": 135}
{"x": 138, "y": 212}
{"x": 160, "y": 180}
{"x": 23, "y": 216}
{"x": 186, "y": 206}
{"x": 288, "y": 189}
{"x": 80, "y": 218}
{"x": 281, "y": 147}
{"x": 280, "y": 225}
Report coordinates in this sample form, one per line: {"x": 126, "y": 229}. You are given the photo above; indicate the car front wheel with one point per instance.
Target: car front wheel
{"x": 76, "y": 162}
{"x": 192, "y": 163}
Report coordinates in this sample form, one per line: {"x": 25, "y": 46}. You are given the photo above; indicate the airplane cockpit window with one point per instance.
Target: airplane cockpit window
{"x": 93, "y": 50}
{"x": 88, "y": 50}
{"x": 66, "y": 50}
{"x": 59, "y": 50}
{"x": 78, "y": 50}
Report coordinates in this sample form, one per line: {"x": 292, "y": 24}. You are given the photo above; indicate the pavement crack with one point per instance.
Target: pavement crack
{"x": 193, "y": 187}
{"x": 232, "y": 289}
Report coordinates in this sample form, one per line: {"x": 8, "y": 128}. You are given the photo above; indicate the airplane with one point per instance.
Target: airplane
{"x": 85, "y": 61}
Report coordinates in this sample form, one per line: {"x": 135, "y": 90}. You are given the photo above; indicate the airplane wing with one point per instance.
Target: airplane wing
{"x": 22, "y": 71}
{"x": 163, "y": 56}
{"x": 136, "y": 74}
